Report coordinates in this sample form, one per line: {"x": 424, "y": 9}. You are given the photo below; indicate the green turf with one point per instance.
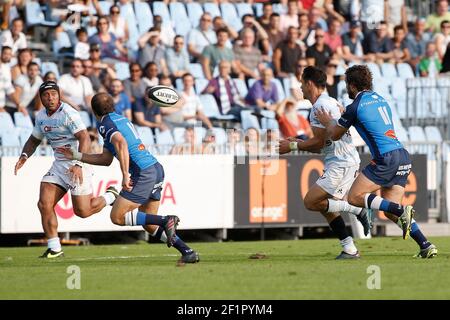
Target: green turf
{"x": 303, "y": 269}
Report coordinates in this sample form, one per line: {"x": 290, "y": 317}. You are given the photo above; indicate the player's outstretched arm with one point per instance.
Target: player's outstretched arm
{"x": 98, "y": 159}
{"x": 121, "y": 148}
{"x": 28, "y": 149}
{"x": 316, "y": 143}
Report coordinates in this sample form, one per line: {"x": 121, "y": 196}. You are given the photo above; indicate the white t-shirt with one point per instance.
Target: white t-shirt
{"x": 372, "y": 10}
{"x": 191, "y": 106}
{"x": 6, "y": 87}
{"x": 82, "y": 50}
{"x": 287, "y": 21}
{"x": 119, "y": 29}
{"x": 395, "y": 12}
{"x": 28, "y": 90}
{"x": 6, "y": 39}
{"x": 60, "y": 128}
{"x": 200, "y": 39}
{"x": 340, "y": 153}
{"x": 76, "y": 89}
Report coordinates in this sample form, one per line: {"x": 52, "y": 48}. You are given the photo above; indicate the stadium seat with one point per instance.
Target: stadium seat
{"x": 244, "y": 8}
{"x": 49, "y": 66}
{"x": 258, "y": 9}
{"x": 200, "y": 85}
{"x": 179, "y": 84}
{"x": 182, "y": 26}
{"x": 280, "y": 89}
{"x": 401, "y": 133}
{"x": 34, "y": 15}
{"x": 105, "y": 6}
{"x": 10, "y": 138}
{"x": 178, "y": 135}
{"x": 212, "y": 9}
{"x": 22, "y": 121}
{"x": 221, "y": 135}
{"x": 278, "y": 8}
{"x": 122, "y": 70}
{"x": 375, "y": 69}
{"x": 24, "y": 134}
{"x": 86, "y": 118}
{"x": 195, "y": 11}
{"x": 381, "y": 87}
{"x": 417, "y": 134}
{"x": 433, "y": 134}
{"x": 196, "y": 70}
{"x": 388, "y": 70}
{"x": 164, "y": 137}
{"x": 405, "y": 71}
{"x": 211, "y": 109}
{"x": 161, "y": 9}
{"x": 340, "y": 70}
{"x": 177, "y": 11}
{"x": 62, "y": 41}
{"x": 230, "y": 15}
{"x": 127, "y": 13}
{"x": 6, "y": 123}
{"x": 144, "y": 16}
{"x": 241, "y": 86}
{"x": 200, "y": 134}
{"x": 146, "y": 135}
{"x": 269, "y": 121}
{"x": 287, "y": 86}
{"x": 248, "y": 120}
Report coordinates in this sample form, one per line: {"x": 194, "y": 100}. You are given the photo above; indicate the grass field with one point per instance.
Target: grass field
{"x": 303, "y": 269}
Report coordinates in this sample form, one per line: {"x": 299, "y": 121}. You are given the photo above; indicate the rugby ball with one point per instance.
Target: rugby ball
{"x": 163, "y": 96}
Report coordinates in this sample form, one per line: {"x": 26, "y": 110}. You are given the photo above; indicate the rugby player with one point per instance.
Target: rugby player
{"x": 390, "y": 167}
{"x": 341, "y": 165}
{"x": 61, "y": 125}
{"x": 142, "y": 177}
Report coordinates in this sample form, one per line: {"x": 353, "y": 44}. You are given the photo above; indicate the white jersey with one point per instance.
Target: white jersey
{"x": 59, "y": 128}
{"x": 340, "y": 153}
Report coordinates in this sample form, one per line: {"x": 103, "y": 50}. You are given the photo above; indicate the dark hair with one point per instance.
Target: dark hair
{"x": 187, "y": 75}
{"x": 148, "y": 65}
{"x": 360, "y": 77}
{"x": 112, "y": 8}
{"x": 178, "y": 36}
{"x": 444, "y": 22}
{"x": 275, "y": 14}
{"x": 80, "y": 31}
{"x": 315, "y": 75}
{"x": 4, "y": 48}
{"x": 266, "y": 4}
{"x": 396, "y": 28}
{"x": 32, "y": 63}
{"x": 221, "y": 30}
{"x": 245, "y": 16}
{"x": 102, "y": 104}
{"x": 133, "y": 64}
{"x": 16, "y": 19}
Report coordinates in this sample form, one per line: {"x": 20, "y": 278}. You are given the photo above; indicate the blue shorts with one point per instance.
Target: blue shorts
{"x": 392, "y": 169}
{"x": 147, "y": 185}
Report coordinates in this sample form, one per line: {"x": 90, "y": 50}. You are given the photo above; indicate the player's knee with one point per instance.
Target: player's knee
{"x": 354, "y": 198}
{"x": 310, "y": 203}
{"x": 82, "y": 212}
{"x": 118, "y": 219}
{"x": 44, "y": 206}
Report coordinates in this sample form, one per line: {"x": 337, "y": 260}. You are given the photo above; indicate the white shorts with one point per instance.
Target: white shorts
{"x": 58, "y": 175}
{"x": 337, "y": 181}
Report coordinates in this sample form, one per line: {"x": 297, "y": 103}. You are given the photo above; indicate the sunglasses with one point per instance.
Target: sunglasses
{"x": 115, "y": 12}
{"x": 135, "y": 70}
{"x": 332, "y": 66}
{"x": 181, "y": 43}
{"x": 301, "y": 66}
{"x": 206, "y": 20}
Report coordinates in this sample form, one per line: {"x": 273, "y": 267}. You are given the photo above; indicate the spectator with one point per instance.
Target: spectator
{"x": 379, "y": 46}
{"x": 135, "y": 86}
{"x": 287, "y": 54}
{"x": 395, "y": 11}
{"x": 434, "y": 20}
{"x": 352, "y": 50}
{"x": 103, "y": 71}
{"x": 442, "y": 39}
{"x": 75, "y": 88}
{"x": 291, "y": 123}
{"x": 215, "y": 53}
{"x": 165, "y": 81}
{"x": 151, "y": 75}
{"x": 315, "y": 22}
{"x": 111, "y": 49}
{"x": 333, "y": 37}
{"x": 24, "y": 57}
{"x": 263, "y": 94}
{"x": 81, "y": 50}
{"x": 150, "y": 50}
{"x": 6, "y": 87}
{"x": 372, "y": 13}
{"x": 147, "y": 114}
{"x": 331, "y": 13}
{"x": 261, "y": 37}
{"x": 189, "y": 146}
{"x": 14, "y": 37}
{"x": 50, "y": 76}
{"x": 88, "y": 72}
{"x": 201, "y": 37}
{"x": 290, "y": 19}
{"x": 318, "y": 54}
{"x": 446, "y": 61}
{"x": 274, "y": 33}
{"x": 417, "y": 42}
{"x": 177, "y": 58}
{"x": 167, "y": 34}
{"x": 248, "y": 57}
{"x": 332, "y": 78}
{"x": 401, "y": 51}
{"x": 225, "y": 91}
{"x": 117, "y": 25}
{"x": 122, "y": 104}
{"x": 192, "y": 109}
{"x": 295, "y": 87}
{"x": 303, "y": 28}
{"x": 430, "y": 65}
{"x": 264, "y": 20}
{"x": 219, "y": 23}
{"x": 26, "y": 89}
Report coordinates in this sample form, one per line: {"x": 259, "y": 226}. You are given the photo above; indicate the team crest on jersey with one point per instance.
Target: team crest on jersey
{"x": 391, "y": 134}
{"x": 101, "y": 129}
{"x": 141, "y": 147}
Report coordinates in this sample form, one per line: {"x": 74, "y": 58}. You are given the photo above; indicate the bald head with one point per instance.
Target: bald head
{"x": 102, "y": 103}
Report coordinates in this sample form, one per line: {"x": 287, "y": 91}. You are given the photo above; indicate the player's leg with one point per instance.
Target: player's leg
{"x": 187, "y": 254}
{"x": 395, "y": 194}
{"x": 49, "y": 196}
{"x": 317, "y": 199}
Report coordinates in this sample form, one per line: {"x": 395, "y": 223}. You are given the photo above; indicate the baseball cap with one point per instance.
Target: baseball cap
{"x": 47, "y": 85}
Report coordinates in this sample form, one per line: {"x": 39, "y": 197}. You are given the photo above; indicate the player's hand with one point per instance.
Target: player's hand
{"x": 19, "y": 164}
{"x": 76, "y": 174}
{"x": 283, "y": 146}
{"x": 127, "y": 184}
{"x": 66, "y": 152}
{"x": 323, "y": 116}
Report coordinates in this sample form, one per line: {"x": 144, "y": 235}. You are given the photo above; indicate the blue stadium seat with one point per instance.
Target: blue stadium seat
{"x": 241, "y": 86}
{"x": 388, "y": 70}
{"x": 178, "y": 135}
{"x": 146, "y": 135}
{"x": 144, "y": 16}
{"x": 230, "y": 15}
{"x": 6, "y": 123}
{"x": 200, "y": 134}
{"x": 433, "y": 134}
{"x": 122, "y": 70}
{"x": 195, "y": 11}
{"x": 248, "y": 120}
{"x": 278, "y": 8}
{"x": 24, "y": 134}
{"x": 34, "y": 15}
{"x": 401, "y": 133}
{"x": 244, "y": 8}
{"x": 22, "y": 121}
{"x": 212, "y": 8}
{"x": 269, "y": 121}
{"x": 86, "y": 118}
{"x": 196, "y": 70}
{"x": 10, "y": 138}
{"x": 62, "y": 41}
{"x": 179, "y": 84}
{"x": 127, "y": 12}
{"x": 178, "y": 11}
{"x": 211, "y": 109}
{"x": 375, "y": 69}
{"x": 182, "y": 26}
{"x": 164, "y": 137}
{"x": 161, "y": 9}
{"x": 258, "y": 9}
{"x": 105, "y": 6}
{"x": 417, "y": 134}
{"x": 200, "y": 85}
{"x": 287, "y": 86}
{"x": 405, "y": 71}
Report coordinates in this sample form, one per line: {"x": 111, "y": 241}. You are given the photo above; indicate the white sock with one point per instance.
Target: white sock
{"x": 342, "y": 206}
{"x": 109, "y": 198}
{"x": 131, "y": 218}
{"x": 348, "y": 246}
{"x": 54, "y": 244}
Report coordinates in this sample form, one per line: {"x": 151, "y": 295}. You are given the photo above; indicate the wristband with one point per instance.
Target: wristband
{"x": 24, "y": 155}
{"x": 78, "y": 163}
{"x": 77, "y": 155}
{"x": 293, "y": 145}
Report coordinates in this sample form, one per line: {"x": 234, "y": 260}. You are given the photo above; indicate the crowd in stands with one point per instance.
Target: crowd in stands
{"x": 251, "y": 67}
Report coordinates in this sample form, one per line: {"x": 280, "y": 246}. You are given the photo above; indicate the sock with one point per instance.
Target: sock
{"x": 54, "y": 244}
{"x": 372, "y": 201}
{"x": 138, "y": 218}
{"x": 109, "y": 198}
{"x": 342, "y": 206}
{"x": 417, "y": 235}
{"x": 338, "y": 227}
{"x": 348, "y": 246}
{"x": 179, "y": 244}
